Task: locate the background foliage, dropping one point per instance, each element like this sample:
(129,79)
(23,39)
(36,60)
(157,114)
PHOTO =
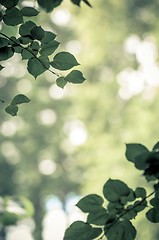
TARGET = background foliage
(82,129)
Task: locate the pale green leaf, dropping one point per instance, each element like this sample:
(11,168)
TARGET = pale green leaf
(61,82)
(29,11)
(64,61)
(12,110)
(75,76)
(19,99)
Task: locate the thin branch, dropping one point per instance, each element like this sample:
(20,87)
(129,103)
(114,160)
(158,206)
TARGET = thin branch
(126,211)
(4,35)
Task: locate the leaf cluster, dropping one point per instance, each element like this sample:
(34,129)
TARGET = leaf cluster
(35,45)
(113,220)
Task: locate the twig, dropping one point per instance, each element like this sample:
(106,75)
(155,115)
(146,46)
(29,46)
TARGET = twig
(30,52)
(126,211)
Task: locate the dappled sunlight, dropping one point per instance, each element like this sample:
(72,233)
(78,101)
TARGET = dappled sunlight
(10,151)
(24,85)
(47,117)
(47,167)
(133,82)
(8,128)
(18,232)
(76,131)
(57,93)
(61,17)
(73,46)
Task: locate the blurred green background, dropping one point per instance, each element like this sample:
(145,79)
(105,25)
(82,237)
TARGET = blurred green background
(68,142)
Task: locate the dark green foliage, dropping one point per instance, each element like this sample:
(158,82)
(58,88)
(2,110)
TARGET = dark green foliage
(64,61)
(98,217)
(3,42)
(144,159)
(37,66)
(1,67)
(122,230)
(77,2)
(12,109)
(49,5)
(19,99)
(6,53)
(49,48)
(153,215)
(9,3)
(115,189)
(140,192)
(61,82)
(134,150)
(35,45)
(124,203)
(25,28)
(75,77)
(82,231)
(90,203)
(13,17)
(29,11)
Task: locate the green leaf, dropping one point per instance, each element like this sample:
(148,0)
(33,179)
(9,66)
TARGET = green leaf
(5,53)
(98,217)
(129,198)
(1,16)
(123,230)
(77,2)
(156,147)
(12,110)
(3,42)
(130,214)
(61,82)
(48,37)
(26,54)
(75,76)
(86,2)
(1,67)
(140,206)
(49,48)
(49,5)
(25,28)
(155,202)
(113,190)
(115,208)
(153,215)
(90,203)
(19,99)
(133,150)
(31,51)
(13,17)
(9,3)
(37,32)
(64,61)
(140,192)
(25,40)
(36,66)
(29,11)
(81,231)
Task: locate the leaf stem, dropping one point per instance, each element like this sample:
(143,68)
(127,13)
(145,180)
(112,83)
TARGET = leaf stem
(4,35)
